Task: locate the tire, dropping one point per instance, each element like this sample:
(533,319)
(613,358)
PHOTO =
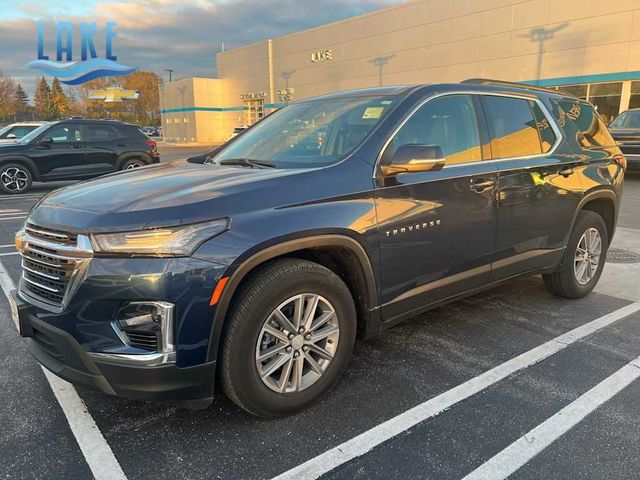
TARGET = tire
(269,288)
(15,178)
(132,163)
(564,282)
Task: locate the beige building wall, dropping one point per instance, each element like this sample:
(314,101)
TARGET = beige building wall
(551,41)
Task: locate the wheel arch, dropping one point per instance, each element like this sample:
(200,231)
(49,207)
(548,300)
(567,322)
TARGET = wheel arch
(340,253)
(605,204)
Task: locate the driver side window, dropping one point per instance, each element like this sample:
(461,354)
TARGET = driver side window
(449,122)
(64,133)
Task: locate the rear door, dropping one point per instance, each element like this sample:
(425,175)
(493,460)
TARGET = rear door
(436,229)
(538,188)
(101,147)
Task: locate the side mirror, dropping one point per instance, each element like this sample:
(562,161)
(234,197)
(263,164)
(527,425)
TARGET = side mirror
(12,136)
(45,142)
(415,158)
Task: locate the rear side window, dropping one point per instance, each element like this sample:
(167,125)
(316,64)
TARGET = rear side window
(101,133)
(580,121)
(513,130)
(548,137)
(449,122)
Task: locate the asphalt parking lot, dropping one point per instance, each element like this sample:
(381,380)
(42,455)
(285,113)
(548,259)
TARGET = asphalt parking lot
(512,381)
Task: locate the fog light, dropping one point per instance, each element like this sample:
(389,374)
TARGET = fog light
(147,325)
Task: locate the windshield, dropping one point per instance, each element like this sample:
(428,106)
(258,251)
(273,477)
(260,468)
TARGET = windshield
(33,134)
(627,120)
(309,134)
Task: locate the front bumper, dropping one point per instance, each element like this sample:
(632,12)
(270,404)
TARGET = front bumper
(61,353)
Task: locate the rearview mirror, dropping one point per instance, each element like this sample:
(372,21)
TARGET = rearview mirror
(415,158)
(12,136)
(45,142)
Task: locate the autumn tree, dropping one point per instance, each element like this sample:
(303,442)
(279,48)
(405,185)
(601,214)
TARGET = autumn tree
(21,100)
(7,96)
(45,108)
(59,100)
(146,109)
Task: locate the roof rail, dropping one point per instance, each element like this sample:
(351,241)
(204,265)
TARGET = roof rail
(504,83)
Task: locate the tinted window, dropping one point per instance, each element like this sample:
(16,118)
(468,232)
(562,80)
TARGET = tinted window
(65,133)
(580,120)
(449,122)
(627,120)
(100,133)
(547,136)
(512,127)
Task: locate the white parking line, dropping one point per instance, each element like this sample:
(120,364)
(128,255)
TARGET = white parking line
(7,245)
(535,441)
(96,450)
(8,253)
(12,218)
(363,443)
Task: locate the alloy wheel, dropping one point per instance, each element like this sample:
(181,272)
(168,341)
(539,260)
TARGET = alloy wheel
(133,165)
(14,179)
(297,342)
(588,256)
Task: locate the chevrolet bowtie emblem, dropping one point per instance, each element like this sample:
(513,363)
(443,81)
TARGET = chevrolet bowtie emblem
(114,95)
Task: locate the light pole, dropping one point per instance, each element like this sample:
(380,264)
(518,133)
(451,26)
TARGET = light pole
(540,36)
(170,72)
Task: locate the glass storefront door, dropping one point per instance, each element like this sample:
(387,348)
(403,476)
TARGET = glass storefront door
(606,97)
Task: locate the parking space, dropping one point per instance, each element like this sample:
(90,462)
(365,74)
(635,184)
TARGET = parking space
(436,397)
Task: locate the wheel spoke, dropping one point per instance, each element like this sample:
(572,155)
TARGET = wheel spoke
(274,365)
(324,333)
(276,333)
(324,318)
(298,367)
(282,319)
(580,271)
(298,311)
(312,363)
(310,312)
(321,352)
(271,351)
(284,376)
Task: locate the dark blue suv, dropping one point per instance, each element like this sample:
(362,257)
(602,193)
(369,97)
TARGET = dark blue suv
(333,218)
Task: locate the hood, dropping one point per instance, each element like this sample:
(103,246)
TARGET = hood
(158,195)
(625,134)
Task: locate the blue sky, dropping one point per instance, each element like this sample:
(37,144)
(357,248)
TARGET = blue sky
(157,34)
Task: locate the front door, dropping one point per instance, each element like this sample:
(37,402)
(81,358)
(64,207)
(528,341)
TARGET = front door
(64,155)
(436,229)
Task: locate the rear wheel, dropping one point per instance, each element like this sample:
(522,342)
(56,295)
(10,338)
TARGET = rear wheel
(133,163)
(583,259)
(289,338)
(15,178)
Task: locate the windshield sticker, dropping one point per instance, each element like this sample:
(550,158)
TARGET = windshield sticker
(372,112)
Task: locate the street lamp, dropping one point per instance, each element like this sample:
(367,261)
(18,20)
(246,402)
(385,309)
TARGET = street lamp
(170,72)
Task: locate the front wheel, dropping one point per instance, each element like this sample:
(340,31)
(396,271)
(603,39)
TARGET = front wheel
(583,259)
(289,338)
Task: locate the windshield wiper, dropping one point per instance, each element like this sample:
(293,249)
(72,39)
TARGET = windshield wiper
(245,162)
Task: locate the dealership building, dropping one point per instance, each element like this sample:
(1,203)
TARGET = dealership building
(590,48)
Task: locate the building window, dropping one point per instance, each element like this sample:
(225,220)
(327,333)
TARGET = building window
(579,91)
(606,97)
(634,100)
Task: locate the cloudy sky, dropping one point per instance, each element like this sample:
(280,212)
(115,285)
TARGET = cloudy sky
(157,34)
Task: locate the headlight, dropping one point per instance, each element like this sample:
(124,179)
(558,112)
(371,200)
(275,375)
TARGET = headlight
(159,242)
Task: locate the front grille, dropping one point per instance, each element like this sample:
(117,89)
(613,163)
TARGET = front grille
(50,259)
(142,339)
(630,149)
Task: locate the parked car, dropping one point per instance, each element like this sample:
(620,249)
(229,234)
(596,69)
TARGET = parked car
(255,274)
(151,131)
(237,131)
(625,128)
(16,131)
(73,149)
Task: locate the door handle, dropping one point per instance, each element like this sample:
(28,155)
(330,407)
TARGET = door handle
(566,172)
(481,185)
(76,146)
